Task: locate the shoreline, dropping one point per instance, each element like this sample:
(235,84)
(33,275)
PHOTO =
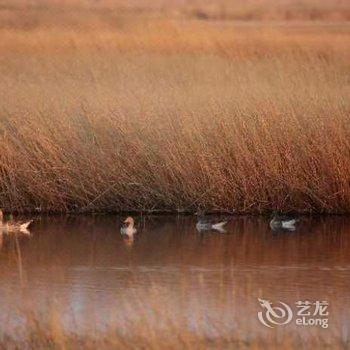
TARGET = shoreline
(164,212)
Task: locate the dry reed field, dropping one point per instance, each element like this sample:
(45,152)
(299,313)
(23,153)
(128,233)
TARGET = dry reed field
(159,330)
(111,13)
(104,113)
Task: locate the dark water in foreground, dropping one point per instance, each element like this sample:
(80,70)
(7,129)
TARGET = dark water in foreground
(81,273)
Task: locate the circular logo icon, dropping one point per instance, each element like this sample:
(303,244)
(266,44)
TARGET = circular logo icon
(274,315)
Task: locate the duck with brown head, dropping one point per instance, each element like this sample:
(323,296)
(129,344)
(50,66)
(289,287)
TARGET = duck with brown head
(13,226)
(128,228)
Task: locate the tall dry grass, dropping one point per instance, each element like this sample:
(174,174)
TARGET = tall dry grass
(172,115)
(107,13)
(158,329)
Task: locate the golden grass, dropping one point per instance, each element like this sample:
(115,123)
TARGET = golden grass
(173,114)
(114,13)
(50,336)
(155,324)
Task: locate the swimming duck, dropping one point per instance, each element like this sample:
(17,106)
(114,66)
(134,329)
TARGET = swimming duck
(128,228)
(13,226)
(208,223)
(282,222)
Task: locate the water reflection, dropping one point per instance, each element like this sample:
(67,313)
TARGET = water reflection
(207,282)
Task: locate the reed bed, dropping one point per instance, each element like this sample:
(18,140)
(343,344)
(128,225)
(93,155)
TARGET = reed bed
(106,13)
(172,115)
(51,336)
(156,323)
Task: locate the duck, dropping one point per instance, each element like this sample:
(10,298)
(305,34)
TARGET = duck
(128,228)
(208,223)
(14,226)
(282,222)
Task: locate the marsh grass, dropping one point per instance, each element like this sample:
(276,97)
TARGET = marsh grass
(172,115)
(107,13)
(155,323)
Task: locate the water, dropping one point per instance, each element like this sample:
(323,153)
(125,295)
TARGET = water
(82,273)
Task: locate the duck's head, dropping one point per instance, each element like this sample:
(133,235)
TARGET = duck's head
(129,221)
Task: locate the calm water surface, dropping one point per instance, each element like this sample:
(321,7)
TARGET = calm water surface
(81,269)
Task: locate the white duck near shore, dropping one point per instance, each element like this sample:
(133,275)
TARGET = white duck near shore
(128,228)
(12,226)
